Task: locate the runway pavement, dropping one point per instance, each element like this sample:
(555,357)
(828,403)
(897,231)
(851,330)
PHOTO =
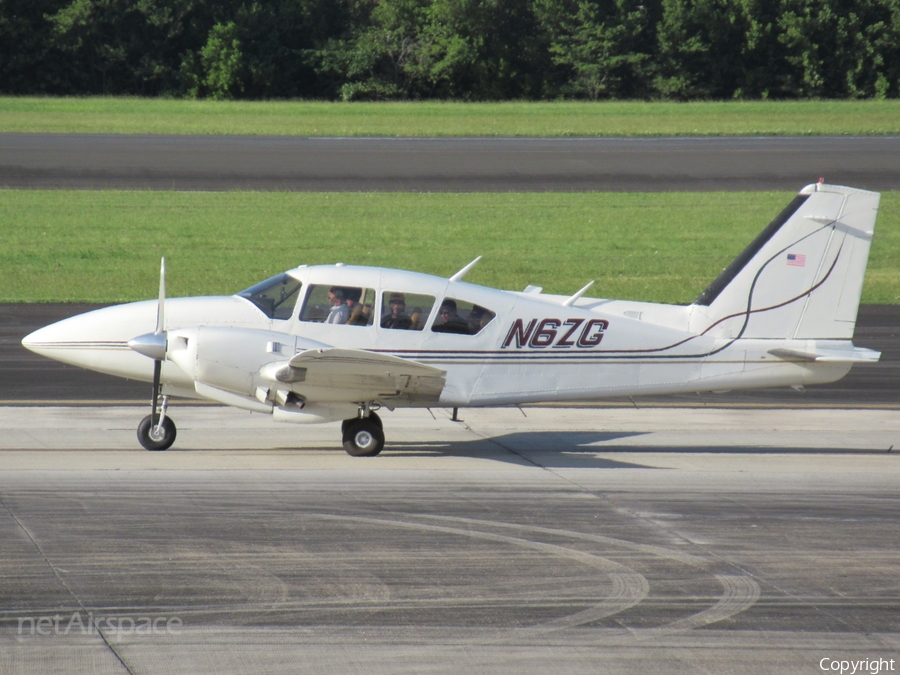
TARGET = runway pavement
(159,162)
(27,377)
(567,541)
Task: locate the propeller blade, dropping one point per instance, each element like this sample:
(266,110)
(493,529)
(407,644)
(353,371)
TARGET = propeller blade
(161,312)
(154,344)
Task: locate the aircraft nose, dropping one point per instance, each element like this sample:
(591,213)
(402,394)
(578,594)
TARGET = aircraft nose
(95,340)
(42,339)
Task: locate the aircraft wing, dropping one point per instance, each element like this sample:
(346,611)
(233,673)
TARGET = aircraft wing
(356,375)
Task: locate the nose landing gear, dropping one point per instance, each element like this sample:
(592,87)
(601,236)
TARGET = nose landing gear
(156,436)
(156,431)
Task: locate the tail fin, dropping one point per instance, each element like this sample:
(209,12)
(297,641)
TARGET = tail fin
(801,278)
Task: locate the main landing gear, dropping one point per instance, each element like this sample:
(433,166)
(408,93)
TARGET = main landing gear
(363,436)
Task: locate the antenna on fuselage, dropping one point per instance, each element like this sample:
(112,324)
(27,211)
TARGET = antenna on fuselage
(571,301)
(459,275)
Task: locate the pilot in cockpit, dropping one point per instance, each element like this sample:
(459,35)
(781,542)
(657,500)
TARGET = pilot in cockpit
(339,311)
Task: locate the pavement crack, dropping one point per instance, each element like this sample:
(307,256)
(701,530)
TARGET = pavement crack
(56,573)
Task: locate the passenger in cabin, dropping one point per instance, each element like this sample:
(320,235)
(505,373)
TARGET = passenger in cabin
(351,299)
(339,311)
(479,317)
(449,321)
(397,317)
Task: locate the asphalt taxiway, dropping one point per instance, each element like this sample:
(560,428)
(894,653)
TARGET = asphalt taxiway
(184,162)
(549,540)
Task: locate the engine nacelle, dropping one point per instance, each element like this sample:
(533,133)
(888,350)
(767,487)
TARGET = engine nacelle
(230,358)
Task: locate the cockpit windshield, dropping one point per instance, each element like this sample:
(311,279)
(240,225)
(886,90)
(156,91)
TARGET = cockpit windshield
(276,297)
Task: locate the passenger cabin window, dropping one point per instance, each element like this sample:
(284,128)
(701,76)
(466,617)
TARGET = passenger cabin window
(348,305)
(276,297)
(405,311)
(461,317)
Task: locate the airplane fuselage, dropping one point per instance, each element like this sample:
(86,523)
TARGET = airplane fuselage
(534,349)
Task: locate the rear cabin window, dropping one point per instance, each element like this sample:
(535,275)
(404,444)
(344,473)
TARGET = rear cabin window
(347,305)
(276,297)
(405,311)
(461,317)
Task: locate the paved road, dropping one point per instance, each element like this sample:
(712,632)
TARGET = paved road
(670,542)
(25,376)
(159,162)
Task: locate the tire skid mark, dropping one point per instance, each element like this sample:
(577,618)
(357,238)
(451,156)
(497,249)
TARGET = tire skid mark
(629,587)
(582,557)
(657,551)
(740,593)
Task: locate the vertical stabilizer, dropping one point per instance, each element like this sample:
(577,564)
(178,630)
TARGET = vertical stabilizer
(802,277)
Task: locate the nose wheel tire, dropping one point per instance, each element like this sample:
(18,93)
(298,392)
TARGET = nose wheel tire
(156,439)
(363,437)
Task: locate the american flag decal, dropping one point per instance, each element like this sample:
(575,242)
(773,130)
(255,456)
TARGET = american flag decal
(796,259)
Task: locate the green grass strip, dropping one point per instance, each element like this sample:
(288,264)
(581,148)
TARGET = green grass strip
(296,118)
(104,246)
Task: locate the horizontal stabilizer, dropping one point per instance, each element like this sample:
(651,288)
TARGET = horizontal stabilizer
(855,355)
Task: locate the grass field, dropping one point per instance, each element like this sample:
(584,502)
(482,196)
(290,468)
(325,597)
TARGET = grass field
(105,246)
(294,118)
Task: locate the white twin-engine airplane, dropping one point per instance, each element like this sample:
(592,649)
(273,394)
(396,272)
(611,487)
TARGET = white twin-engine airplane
(338,342)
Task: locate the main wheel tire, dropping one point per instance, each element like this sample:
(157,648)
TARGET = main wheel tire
(363,438)
(372,416)
(146,439)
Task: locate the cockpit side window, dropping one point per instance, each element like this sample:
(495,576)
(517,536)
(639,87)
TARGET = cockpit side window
(348,305)
(276,297)
(405,311)
(461,317)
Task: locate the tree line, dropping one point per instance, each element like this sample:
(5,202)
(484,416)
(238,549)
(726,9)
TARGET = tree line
(452,49)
